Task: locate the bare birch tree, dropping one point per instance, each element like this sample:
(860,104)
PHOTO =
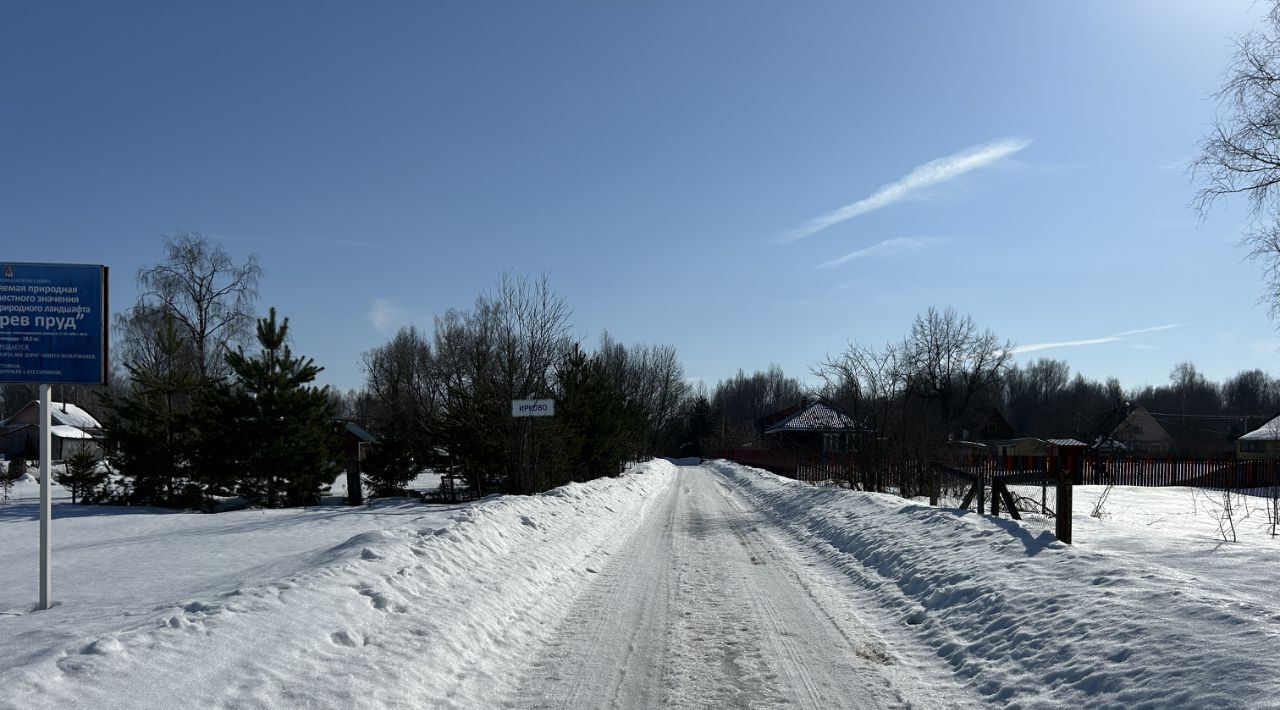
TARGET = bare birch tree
(1241,154)
(207,295)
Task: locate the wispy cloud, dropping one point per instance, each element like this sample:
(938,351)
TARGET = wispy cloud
(1035,347)
(886,248)
(386,315)
(927,175)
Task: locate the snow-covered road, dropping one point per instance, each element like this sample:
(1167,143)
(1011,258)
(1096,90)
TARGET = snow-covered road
(707,607)
(714,586)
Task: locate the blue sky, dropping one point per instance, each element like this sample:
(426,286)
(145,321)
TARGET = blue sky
(751,182)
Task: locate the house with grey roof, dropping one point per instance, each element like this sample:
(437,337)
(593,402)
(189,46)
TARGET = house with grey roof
(72,428)
(818,426)
(1261,443)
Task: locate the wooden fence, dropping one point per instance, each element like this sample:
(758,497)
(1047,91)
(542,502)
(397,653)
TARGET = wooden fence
(1139,471)
(810,468)
(1087,469)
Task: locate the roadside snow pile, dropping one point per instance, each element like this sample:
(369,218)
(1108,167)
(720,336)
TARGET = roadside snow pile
(1030,622)
(401,617)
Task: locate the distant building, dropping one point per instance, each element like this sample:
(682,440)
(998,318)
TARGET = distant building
(985,424)
(815,427)
(1035,446)
(1261,443)
(978,434)
(1141,435)
(72,429)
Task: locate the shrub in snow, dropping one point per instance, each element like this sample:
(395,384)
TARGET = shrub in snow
(83,476)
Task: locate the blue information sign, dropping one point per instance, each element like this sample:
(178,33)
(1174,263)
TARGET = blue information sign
(53,323)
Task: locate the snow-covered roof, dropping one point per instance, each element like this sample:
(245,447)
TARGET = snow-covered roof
(62,413)
(1109,445)
(360,433)
(1267,432)
(62,431)
(71,415)
(1065,442)
(815,417)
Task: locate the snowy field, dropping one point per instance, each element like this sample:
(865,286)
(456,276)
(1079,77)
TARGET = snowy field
(709,587)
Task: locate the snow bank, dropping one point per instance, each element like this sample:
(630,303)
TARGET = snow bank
(400,617)
(1030,622)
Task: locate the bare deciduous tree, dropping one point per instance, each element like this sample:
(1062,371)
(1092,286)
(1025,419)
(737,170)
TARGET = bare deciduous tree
(1241,155)
(208,296)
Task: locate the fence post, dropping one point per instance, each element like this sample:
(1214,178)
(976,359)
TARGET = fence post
(1063,516)
(933,486)
(982,491)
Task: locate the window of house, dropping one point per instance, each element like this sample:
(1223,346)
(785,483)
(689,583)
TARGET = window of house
(831,442)
(1253,447)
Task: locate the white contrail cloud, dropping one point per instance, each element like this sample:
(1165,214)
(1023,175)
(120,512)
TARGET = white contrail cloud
(1148,330)
(1092,341)
(927,175)
(885,248)
(1063,344)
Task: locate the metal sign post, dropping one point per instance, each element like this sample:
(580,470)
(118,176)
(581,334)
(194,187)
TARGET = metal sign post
(531,408)
(53,330)
(46,497)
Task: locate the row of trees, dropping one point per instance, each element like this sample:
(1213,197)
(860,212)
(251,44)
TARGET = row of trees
(212,402)
(444,399)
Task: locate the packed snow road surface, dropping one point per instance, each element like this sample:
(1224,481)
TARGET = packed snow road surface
(705,608)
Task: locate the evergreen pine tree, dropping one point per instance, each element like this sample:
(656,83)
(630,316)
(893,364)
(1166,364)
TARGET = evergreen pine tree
(285,426)
(598,428)
(149,429)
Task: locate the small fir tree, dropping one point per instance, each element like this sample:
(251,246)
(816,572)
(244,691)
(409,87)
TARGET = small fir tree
(83,477)
(285,426)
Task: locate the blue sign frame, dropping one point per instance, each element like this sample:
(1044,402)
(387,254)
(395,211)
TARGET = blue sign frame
(53,323)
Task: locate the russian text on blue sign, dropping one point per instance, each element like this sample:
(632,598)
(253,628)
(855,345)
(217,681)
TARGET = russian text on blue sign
(53,323)
(533,407)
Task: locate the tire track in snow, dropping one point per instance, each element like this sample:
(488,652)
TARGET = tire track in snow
(703,610)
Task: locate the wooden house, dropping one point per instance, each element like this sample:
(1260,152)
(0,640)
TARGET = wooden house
(1141,434)
(1261,443)
(816,427)
(72,429)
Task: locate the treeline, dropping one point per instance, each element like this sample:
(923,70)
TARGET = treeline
(913,397)
(1202,416)
(941,382)
(209,402)
(443,399)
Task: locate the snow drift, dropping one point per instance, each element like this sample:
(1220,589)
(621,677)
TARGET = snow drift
(1031,622)
(401,617)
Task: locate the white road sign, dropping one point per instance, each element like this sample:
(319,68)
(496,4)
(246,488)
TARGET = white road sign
(533,407)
